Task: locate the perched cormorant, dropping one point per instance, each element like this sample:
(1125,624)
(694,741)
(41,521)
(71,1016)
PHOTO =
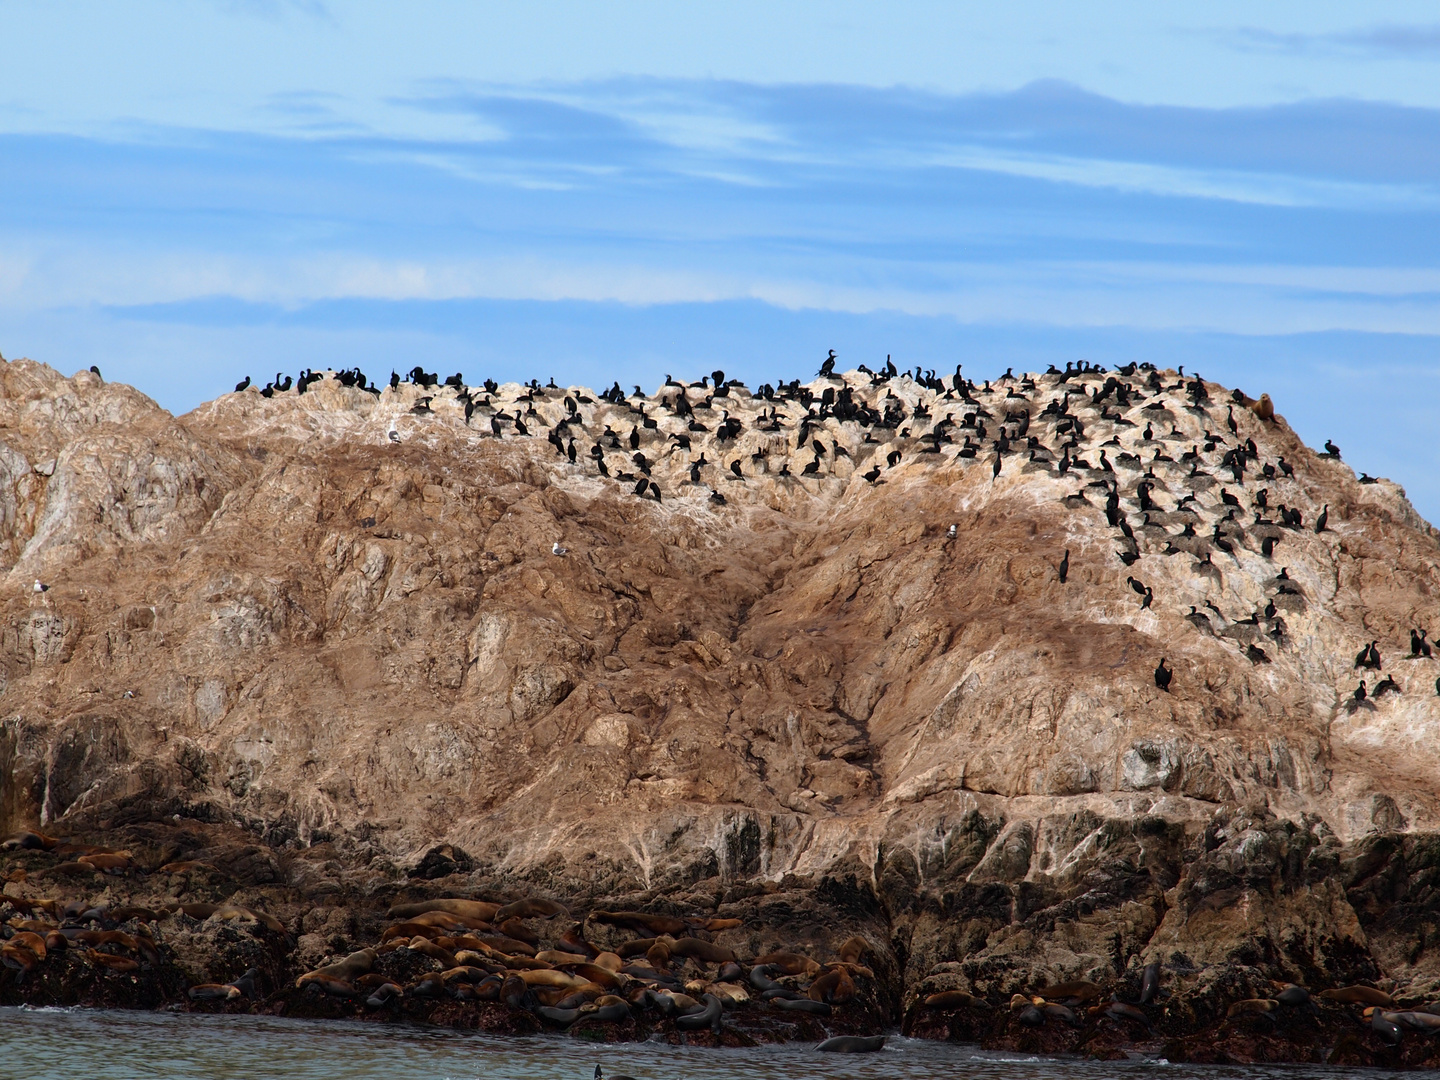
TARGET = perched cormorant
(1064,565)
(1323,519)
(1163,675)
(243,384)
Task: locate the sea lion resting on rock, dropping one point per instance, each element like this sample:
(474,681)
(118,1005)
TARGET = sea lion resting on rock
(1358,995)
(482,910)
(349,969)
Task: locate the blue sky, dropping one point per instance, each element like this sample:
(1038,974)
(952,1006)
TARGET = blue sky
(199,191)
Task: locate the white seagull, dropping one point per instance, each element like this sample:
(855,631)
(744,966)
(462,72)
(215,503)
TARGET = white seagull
(556,549)
(394,435)
(40,586)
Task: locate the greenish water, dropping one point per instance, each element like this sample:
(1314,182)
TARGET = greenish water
(62,1044)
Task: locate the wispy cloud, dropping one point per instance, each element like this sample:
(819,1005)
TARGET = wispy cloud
(1414,40)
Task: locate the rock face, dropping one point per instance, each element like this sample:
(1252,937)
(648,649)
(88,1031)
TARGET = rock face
(334,620)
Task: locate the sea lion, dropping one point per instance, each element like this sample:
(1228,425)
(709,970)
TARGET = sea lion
(852,949)
(353,966)
(609,1009)
(835,987)
(29,907)
(573,941)
(550,977)
(1358,995)
(109,863)
(28,939)
(658,956)
(1388,1030)
(789,963)
(507,946)
(805,1005)
(1264,408)
(635,947)
(18,958)
(212,992)
(514,928)
(185,866)
(1078,990)
(699,949)
(425,947)
(709,1016)
(556,958)
(760,979)
(1429,1023)
(1122,1010)
(102,937)
(852,1044)
(383,995)
(1253,1006)
(597,974)
(431,985)
(955,999)
(409,930)
(30,840)
(1149,983)
(482,910)
(529,909)
(609,961)
(131,911)
(111,962)
(716,925)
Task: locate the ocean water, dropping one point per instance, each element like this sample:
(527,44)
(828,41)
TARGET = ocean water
(62,1044)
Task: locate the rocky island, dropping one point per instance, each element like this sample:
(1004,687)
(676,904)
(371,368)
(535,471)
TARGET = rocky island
(1026,712)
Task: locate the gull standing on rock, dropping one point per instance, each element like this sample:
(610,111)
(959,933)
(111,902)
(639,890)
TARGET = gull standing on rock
(556,549)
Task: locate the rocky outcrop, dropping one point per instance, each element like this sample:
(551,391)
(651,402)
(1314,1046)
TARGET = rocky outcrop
(829,653)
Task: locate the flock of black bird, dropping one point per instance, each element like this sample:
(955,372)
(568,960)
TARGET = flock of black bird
(1204,492)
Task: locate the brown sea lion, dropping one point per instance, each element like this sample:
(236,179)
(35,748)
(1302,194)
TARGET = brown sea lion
(514,928)
(635,947)
(108,862)
(1265,408)
(609,961)
(532,908)
(550,977)
(212,992)
(853,949)
(30,907)
(185,866)
(788,962)
(574,940)
(658,956)
(104,937)
(352,967)
(33,841)
(699,949)
(35,926)
(110,962)
(482,910)
(1076,990)
(598,975)
(425,947)
(716,925)
(835,987)
(329,984)
(409,930)
(132,911)
(556,958)
(17,957)
(1358,995)
(30,940)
